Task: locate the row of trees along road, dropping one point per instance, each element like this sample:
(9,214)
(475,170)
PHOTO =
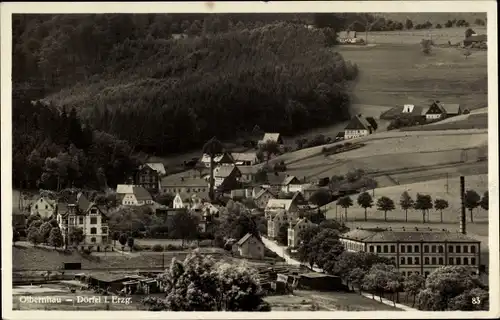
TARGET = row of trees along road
(446,288)
(422,202)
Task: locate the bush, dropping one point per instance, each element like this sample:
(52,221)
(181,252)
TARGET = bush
(137,247)
(173,247)
(157,248)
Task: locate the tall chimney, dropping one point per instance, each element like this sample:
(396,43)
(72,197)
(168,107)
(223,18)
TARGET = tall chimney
(462,212)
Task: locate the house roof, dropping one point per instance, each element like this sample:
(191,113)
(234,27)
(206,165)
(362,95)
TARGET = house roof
(157,166)
(224,171)
(206,158)
(271,137)
(181,180)
(406,236)
(289,179)
(451,108)
(262,192)
(476,38)
(124,188)
(248,169)
(245,239)
(49,201)
(246,156)
(273,204)
(358,123)
(141,193)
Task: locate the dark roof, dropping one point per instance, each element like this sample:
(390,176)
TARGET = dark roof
(141,193)
(406,236)
(451,108)
(476,38)
(358,123)
(182,180)
(224,171)
(245,239)
(289,179)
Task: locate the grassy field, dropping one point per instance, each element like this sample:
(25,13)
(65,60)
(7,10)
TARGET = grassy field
(433,17)
(439,36)
(470,121)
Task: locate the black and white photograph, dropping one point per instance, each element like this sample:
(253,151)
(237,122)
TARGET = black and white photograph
(275,160)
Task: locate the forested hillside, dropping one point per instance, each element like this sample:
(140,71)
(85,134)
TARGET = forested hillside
(165,83)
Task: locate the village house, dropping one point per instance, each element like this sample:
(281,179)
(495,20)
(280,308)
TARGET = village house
(133,195)
(149,174)
(272,137)
(79,212)
(44,206)
(250,246)
(220,159)
(186,201)
(294,229)
(245,159)
(358,127)
(180,183)
(276,221)
(416,251)
(277,205)
(291,184)
(348,37)
(438,110)
(248,173)
(227,177)
(262,198)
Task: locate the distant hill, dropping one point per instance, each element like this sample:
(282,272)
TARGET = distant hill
(433,17)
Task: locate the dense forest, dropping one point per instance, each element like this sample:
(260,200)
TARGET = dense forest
(164,83)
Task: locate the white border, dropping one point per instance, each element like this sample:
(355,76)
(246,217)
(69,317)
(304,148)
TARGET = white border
(300,6)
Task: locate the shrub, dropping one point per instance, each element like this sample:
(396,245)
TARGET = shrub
(137,247)
(172,247)
(157,248)
(146,247)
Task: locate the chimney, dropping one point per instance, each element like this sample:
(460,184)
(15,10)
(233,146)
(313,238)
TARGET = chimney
(462,212)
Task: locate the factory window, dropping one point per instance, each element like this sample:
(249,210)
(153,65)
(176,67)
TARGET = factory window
(450,249)
(410,249)
(410,260)
(458,249)
(403,249)
(433,260)
(466,261)
(433,249)
(440,249)
(473,261)
(441,261)
(379,249)
(466,249)
(450,261)
(402,260)
(458,260)
(93,240)
(417,260)
(426,248)
(416,248)
(386,248)
(426,260)
(393,248)
(472,249)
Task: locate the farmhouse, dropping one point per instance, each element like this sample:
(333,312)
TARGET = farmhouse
(44,206)
(227,177)
(418,251)
(296,226)
(358,127)
(262,198)
(174,184)
(247,193)
(250,246)
(271,137)
(475,39)
(346,37)
(79,212)
(245,159)
(438,110)
(220,159)
(275,206)
(148,176)
(247,173)
(135,196)
(291,184)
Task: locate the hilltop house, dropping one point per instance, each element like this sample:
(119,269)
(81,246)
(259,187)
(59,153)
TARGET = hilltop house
(220,159)
(294,229)
(273,137)
(180,183)
(416,251)
(262,198)
(134,196)
(358,127)
(250,246)
(43,206)
(438,110)
(245,159)
(79,212)
(475,39)
(348,37)
(291,184)
(227,177)
(148,176)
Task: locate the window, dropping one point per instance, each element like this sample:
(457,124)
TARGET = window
(71,221)
(450,261)
(441,261)
(473,261)
(379,249)
(459,261)
(426,260)
(403,273)
(472,249)
(393,248)
(417,260)
(93,230)
(433,249)
(410,249)
(93,240)
(466,249)
(410,260)
(93,220)
(466,261)
(36,206)
(93,211)
(386,248)
(46,207)
(458,249)
(104,230)
(80,220)
(433,260)
(426,248)
(450,249)
(417,248)
(402,260)
(403,249)
(440,249)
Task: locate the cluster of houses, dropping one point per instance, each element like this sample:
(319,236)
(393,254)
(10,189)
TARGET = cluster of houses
(437,110)
(348,37)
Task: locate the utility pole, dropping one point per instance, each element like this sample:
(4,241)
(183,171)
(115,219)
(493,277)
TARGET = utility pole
(447,182)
